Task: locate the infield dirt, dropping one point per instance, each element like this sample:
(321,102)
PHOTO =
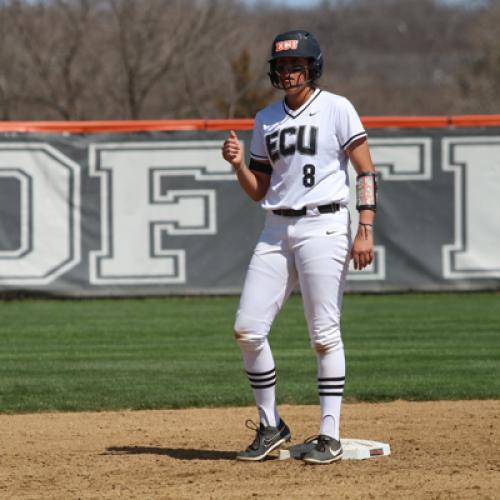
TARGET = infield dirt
(439,450)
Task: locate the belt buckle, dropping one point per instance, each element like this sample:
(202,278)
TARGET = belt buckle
(312,211)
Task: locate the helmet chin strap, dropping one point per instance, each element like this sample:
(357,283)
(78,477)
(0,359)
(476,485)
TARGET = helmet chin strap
(298,85)
(277,80)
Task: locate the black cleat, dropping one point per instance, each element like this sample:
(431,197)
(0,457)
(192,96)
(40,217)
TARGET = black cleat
(326,450)
(266,440)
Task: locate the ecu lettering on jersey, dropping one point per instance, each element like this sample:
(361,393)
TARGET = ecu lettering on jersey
(289,140)
(305,150)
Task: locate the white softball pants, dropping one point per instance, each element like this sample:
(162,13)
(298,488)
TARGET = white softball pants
(312,251)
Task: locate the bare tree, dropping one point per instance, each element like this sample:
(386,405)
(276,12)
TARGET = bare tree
(479,73)
(50,67)
(248,97)
(225,71)
(116,59)
(148,43)
(5,78)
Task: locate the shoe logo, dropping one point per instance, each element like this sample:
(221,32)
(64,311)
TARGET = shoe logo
(331,231)
(268,441)
(312,113)
(335,453)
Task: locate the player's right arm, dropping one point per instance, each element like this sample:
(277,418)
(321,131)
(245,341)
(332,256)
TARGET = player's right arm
(254,183)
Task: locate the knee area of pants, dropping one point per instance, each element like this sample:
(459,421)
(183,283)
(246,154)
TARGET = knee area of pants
(325,346)
(247,341)
(247,334)
(247,326)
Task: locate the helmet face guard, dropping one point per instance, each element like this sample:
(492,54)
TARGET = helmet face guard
(276,76)
(297,43)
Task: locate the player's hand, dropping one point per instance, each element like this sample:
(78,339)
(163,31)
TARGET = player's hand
(232,151)
(362,248)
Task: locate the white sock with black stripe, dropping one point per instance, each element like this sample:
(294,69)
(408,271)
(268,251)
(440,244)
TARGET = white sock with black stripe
(261,372)
(331,379)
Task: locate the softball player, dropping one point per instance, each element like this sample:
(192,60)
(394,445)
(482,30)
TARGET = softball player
(298,171)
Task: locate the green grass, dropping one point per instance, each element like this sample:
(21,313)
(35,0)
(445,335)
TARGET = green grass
(178,352)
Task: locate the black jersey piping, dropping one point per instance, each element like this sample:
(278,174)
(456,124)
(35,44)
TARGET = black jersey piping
(308,104)
(352,138)
(253,155)
(258,166)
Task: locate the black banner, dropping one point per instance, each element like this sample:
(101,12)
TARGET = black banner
(162,213)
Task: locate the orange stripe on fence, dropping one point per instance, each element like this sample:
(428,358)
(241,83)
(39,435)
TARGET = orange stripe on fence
(238,124)
(475,121)
(103,126)
(241,124)
(406,121)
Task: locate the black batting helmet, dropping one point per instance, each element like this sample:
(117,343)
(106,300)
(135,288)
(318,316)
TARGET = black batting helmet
(296,43)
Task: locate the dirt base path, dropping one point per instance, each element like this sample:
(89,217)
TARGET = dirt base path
(439,450)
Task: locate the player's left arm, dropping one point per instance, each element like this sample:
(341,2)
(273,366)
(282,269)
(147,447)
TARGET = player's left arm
(362,248)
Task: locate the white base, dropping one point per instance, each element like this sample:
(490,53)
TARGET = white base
(354,449)
(360,449)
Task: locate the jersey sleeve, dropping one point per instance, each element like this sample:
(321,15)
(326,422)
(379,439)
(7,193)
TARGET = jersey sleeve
(258,150)
(348,124)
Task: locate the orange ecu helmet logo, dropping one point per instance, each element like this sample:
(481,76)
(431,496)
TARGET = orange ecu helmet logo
(286,45)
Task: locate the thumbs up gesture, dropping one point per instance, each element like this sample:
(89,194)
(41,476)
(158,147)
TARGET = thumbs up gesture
(232,150)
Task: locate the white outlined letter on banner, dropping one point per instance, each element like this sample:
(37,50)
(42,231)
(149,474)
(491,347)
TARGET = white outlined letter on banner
(49,208)
(135,213)
(396,159)
(475,163)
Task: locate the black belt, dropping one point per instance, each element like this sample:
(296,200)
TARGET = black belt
(322,209)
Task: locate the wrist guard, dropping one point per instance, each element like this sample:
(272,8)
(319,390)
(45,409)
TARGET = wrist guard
(366,191)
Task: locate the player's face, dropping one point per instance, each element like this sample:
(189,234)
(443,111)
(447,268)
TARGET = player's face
(293,72)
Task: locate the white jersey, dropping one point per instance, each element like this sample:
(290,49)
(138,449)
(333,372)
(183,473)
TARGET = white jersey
(306,149)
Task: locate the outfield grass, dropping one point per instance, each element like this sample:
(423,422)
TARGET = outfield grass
(178,352)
